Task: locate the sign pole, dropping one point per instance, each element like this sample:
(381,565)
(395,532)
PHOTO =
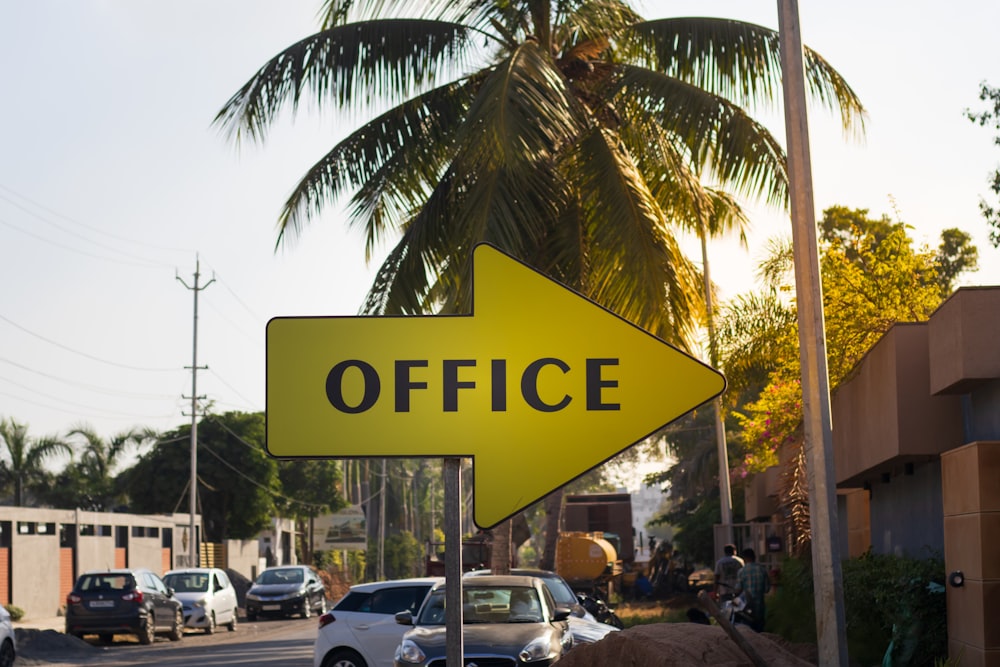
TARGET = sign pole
(453,560)
(817,424)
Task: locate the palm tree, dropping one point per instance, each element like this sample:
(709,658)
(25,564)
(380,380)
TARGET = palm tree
(25,456)
(100,457)
(572,134)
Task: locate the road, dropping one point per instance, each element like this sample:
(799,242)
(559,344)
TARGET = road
(269,643)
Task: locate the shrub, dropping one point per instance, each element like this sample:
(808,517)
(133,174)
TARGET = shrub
(887,600)
(16,613)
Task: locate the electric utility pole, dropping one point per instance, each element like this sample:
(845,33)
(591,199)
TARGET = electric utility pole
(193,487)
(831,627)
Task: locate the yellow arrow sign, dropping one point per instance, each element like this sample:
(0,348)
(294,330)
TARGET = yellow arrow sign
(538,385)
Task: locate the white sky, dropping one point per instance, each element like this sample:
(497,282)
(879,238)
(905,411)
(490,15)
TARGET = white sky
(112,181)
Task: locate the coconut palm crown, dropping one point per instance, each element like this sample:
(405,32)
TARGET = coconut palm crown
(573,134)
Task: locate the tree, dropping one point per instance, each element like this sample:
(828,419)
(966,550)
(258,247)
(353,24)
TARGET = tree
(24,457)
(873,277)
(238,481)
(95,486)
(574,135)
(991,116)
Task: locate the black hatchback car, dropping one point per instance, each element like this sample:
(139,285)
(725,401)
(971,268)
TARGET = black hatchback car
(127,601)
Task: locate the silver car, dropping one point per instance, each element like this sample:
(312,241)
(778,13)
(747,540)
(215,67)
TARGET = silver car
(208,597)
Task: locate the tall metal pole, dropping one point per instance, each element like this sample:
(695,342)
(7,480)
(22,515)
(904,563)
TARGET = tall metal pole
(725,492)
(193,490)
(454,642)
(381,527)
(818,430)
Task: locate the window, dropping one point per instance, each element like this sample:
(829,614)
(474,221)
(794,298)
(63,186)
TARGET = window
(353,601)
(394,600)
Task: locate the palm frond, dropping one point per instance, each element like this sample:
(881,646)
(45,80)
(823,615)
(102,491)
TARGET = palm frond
(740,152)
(355,65)
(391,162)
(734,59)
(659,291)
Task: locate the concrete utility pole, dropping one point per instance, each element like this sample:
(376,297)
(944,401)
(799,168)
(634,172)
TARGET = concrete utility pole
(817,424)
(193,503)
(725,490)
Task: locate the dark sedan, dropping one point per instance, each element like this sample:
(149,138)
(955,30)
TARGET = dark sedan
(507,620)
(132,601)
(286,590)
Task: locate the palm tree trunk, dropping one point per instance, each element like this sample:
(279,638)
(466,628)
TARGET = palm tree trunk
(500,552)
(553,524)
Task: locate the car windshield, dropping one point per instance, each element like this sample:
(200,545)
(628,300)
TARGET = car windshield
(561,592)
(187,582)
(281,576)
(107,581)
(492,604)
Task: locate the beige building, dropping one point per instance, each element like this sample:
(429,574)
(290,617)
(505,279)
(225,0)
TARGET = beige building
(43,551)
(916,435)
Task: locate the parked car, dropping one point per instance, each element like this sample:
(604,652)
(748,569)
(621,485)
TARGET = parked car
(361,629)
(505,620)
(8,641)
(133,601)
(584,628)
(208,597)
(286,590)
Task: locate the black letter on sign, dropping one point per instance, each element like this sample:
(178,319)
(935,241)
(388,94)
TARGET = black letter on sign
(499,373)
(335,385)
(529,385)
(404,384)
(451,383)
(595,384)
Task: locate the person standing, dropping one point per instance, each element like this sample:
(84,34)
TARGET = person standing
(727,570)
(754,584)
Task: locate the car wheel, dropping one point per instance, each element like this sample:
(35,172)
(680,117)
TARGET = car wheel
(147,633)
(251,616)
(307,608)
(7,654)
(322,606)
(232,623)
(177,629)
(106,638)
(345,657)
(210,628)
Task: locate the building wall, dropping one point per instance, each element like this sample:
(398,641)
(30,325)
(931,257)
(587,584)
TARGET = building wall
(41,538)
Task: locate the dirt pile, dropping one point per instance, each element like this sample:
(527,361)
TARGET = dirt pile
(681,645)
(49,646)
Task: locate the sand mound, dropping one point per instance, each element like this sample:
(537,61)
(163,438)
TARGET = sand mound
(680,645)
(46,645)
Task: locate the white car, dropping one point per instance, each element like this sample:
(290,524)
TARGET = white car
(361,629)
(8,643)
(208,597)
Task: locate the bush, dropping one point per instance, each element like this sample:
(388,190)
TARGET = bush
(16,613)
(887,599)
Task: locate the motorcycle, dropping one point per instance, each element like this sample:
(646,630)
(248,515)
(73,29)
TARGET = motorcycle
(600,610)
(734,609)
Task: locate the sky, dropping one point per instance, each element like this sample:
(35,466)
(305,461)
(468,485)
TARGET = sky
(115,186)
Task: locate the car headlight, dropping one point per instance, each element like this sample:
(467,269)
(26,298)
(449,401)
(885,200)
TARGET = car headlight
(253,596)
(408,651)
(536,649)
(200,602)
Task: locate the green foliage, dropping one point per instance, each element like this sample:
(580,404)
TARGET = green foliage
(16,613)
(886,599)
(990,117)
(238,479)
(404,556)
